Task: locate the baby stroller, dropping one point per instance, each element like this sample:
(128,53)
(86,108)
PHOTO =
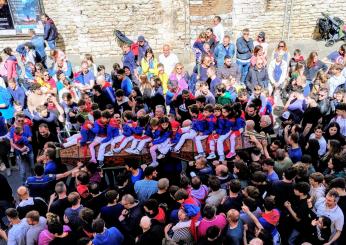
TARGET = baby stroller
(331,29)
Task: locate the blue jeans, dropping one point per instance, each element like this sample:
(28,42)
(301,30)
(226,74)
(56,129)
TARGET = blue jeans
(52,44)
(244,69)
(26,165)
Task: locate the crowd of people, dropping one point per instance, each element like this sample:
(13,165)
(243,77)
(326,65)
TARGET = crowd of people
(285,185)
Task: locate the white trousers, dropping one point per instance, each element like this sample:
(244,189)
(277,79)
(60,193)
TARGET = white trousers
(103,146)
(165,146)
(188,134)
(198,142)
(125,141)
(220,140)
(72,140)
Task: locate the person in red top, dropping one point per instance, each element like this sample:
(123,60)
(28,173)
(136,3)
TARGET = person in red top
(153,211)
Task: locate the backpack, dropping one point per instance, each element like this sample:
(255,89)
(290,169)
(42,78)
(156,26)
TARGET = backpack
(135,49)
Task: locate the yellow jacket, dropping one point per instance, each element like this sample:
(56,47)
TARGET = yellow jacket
(164,80)
(146,70)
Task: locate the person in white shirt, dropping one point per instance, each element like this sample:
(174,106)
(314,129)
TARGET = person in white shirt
(337,78)
(261,40)
(329,208)
(218,30)
(168,59)
(277,73)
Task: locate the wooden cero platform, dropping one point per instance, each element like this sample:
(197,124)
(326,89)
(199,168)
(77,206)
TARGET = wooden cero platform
(73,154)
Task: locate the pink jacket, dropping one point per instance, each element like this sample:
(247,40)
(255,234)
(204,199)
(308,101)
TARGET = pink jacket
(10,67)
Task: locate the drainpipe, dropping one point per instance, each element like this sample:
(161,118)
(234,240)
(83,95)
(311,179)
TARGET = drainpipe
(289,21)
(284,22)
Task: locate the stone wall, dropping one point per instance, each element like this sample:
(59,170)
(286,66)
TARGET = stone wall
(203,11)
(86,26)
(269,15)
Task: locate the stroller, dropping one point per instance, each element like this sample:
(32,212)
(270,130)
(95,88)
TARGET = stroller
(331,29)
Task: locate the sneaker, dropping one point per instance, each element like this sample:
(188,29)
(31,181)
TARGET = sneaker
(221,158)
(199,156)
(8,172)
(101,163)
(230,154)
(161,156)
(109,154)
(117,150)
(154,164)
(211,156)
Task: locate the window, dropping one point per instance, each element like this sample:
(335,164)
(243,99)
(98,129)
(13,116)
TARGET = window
(18,16)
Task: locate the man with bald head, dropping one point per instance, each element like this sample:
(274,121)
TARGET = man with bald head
(221,172)
(235,229)
(168,59)
(152,232)
(28,203)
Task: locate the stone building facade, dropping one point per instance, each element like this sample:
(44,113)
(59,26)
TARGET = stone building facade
(86,26)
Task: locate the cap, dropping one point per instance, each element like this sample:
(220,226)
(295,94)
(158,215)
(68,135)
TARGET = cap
(141,38)
(262,34)
(175,124)
(285,116)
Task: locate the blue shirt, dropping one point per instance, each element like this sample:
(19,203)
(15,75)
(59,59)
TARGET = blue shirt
(126,85)
(18,95)
(41,186)
(272,177)
(295,154)
(85,78)
(111,236)
(145,188)
(50,168)
(235,236)
(139,176)
(38,43)
(26,131)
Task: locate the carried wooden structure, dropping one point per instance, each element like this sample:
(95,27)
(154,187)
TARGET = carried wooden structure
(73,154)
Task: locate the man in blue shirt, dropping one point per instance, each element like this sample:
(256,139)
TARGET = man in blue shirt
(295,152)
(268,166)
(50,166)
(39,45)
(126,83)
(85,81)
(146,187)
(17,92)
(42,185)
(104,236)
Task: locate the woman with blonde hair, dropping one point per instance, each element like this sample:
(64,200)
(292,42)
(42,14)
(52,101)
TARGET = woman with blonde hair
(179,75)
(282,50)
(145,86)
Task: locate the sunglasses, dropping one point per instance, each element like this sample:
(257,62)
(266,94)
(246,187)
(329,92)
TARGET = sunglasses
(281,46)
